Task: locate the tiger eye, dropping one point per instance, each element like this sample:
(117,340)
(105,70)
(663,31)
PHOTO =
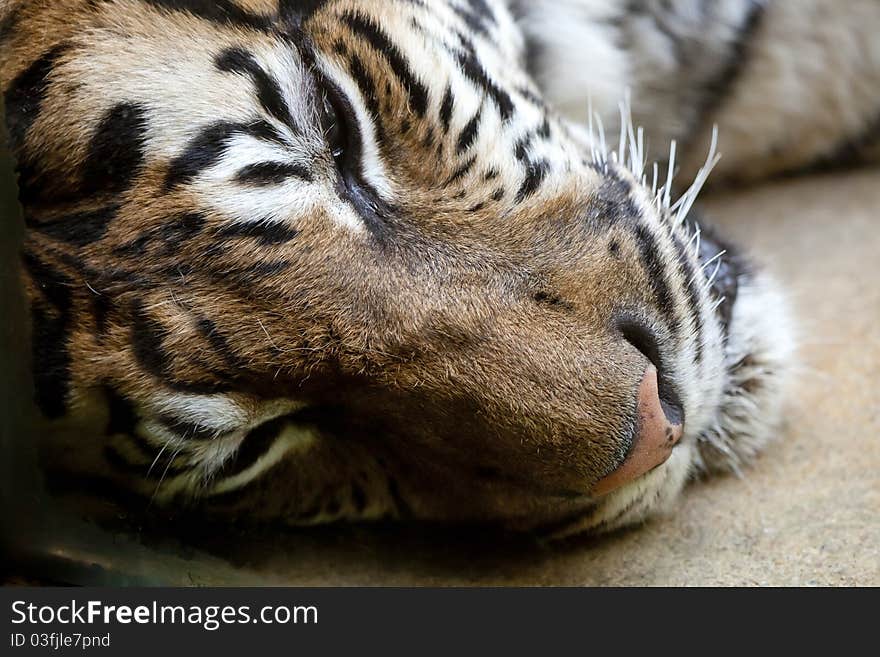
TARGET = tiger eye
(333,130)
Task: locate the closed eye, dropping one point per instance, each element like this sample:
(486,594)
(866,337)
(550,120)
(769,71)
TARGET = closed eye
(335,131)
(340,128)
(344,139)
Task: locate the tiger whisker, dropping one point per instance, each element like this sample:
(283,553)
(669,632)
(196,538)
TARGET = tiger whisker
(158,456)
(718,303)
(709,262)
(696,237)
(165,472)
(711,280)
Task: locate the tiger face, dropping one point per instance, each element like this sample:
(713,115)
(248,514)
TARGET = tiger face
(307,261)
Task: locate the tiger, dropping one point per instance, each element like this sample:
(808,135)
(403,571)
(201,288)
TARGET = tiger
(302,262)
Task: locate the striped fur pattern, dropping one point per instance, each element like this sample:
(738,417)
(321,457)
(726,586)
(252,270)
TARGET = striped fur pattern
(304,261)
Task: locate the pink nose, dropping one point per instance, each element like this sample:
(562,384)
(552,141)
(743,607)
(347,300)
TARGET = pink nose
(652,445)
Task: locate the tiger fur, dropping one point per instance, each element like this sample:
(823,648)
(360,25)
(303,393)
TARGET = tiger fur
(305,261)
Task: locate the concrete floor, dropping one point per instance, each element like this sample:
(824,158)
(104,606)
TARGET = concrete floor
(807,513)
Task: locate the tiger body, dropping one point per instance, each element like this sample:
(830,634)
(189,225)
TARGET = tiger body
(320,260)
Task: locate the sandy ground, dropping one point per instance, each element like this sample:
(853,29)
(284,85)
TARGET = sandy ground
(808,512)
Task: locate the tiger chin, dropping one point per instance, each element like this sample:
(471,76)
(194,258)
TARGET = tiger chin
(344,262)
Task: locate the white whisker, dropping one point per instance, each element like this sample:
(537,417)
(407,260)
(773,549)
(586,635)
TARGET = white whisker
(669,175)
(702,175)
(603,146)
(711,280)
(695,238)
(158,456)
(165,472)
(709,262)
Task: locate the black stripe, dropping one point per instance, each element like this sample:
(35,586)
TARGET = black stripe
(482,9)
(267,233)
(297,11)
(462,171)
(217,11)
(201,153)
(418,93)
(149,351)
(469,133)
(531,97)
(209,145)
(265,131)
(147,449)
(259,272)
(475,72)
(101,307)
(521,148)
(367,86)
(174,233)
(536,172)
(54,285)
(146,341)
(656,272)
(78,229)
(180,228)
(477,15)
(220,344)
(721,86)
(50,356)
(254,445)
(116,150)
(264,174)
(446,109)
(240,61)
(687,270)
(136,247)
(544,129)
(25,94)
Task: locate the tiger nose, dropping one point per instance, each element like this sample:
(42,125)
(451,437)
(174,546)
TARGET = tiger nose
(659,430)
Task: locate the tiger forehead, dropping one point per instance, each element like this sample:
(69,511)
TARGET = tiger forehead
(442,84)
(441,81)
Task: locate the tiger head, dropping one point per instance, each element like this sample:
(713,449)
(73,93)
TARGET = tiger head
(319,260)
